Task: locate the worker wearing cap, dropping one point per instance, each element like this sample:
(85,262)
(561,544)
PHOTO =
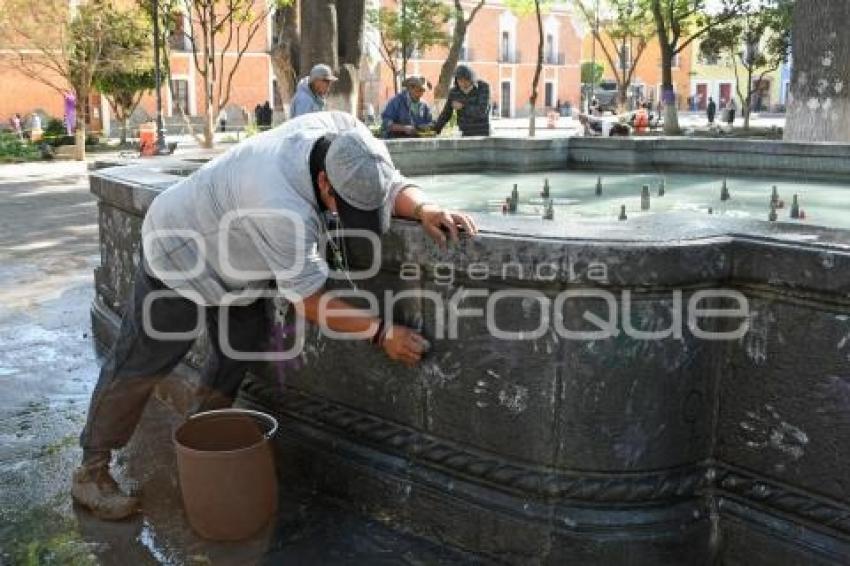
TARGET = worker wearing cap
(406,113)
(251,218)
(311,94)
(470,98)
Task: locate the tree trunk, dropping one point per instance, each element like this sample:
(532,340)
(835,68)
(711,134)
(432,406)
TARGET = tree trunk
(284,53)
(441,92)
(532,101)
(621,95)
(80,131)
(124,122)
(747,106)
(447,71)
(819,101)
(671,111)
(346,91)
(319,38)
(668,94)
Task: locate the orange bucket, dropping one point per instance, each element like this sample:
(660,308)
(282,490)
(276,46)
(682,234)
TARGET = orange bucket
(147,138)
(227,472)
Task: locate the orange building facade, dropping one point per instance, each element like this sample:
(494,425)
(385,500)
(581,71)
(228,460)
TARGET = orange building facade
(252,84)
(646,81)
(501,48)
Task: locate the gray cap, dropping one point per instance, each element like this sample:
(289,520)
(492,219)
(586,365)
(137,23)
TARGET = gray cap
(417,81)
(323,72)
(361,171)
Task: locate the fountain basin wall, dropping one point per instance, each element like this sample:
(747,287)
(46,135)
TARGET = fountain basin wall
(606,451)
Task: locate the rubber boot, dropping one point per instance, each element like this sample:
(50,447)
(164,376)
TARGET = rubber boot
(94,488)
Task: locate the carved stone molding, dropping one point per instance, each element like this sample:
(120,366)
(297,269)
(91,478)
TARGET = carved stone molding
(538,482)
(762,492)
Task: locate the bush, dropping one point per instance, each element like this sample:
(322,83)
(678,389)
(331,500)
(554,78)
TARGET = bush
(55,133)
(13,149)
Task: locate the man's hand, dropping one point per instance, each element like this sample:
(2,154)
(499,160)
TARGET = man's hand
(436,222)
(457,105)
(404,345)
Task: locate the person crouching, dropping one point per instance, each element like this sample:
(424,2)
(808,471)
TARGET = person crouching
(406,114)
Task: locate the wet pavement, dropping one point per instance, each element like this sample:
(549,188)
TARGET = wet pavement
(48,367)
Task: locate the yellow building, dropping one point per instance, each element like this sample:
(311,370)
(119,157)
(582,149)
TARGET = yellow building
(716,78)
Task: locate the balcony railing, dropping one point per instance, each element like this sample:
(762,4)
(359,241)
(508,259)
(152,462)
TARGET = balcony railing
(554,59)
(513,56)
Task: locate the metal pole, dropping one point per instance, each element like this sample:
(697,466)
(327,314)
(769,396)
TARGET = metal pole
(593,58)
(160,130)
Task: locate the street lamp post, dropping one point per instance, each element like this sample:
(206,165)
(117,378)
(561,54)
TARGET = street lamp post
(593,58)
(160,130)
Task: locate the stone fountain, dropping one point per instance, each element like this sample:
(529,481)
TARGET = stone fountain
(633,441)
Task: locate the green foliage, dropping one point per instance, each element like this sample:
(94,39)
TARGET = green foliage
(13,149)
(55,128)
(123,88)
(251,129)
(757,38)
(682,21)
(592,73)
(526,7)
(56,134)
(416,24)
(105,39)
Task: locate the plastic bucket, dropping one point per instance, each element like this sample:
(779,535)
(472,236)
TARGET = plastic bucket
(147,138)
(227,472)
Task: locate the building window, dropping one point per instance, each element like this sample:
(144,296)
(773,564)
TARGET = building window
(506,47)
(549,97)
(180,96)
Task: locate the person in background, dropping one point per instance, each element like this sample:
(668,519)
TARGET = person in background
(268,115)
(258,115)
(17,126)
(640,119)
(598,127)
(222,120)
(730,112)
(711,110)
(470,98)
(406,113)
(311,94)
(35,127)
